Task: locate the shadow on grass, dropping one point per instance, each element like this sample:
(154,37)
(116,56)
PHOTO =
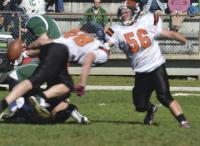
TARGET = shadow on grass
(92,122)
(123,122)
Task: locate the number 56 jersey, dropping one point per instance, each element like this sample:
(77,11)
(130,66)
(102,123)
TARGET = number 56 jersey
(80,44)
(138,42)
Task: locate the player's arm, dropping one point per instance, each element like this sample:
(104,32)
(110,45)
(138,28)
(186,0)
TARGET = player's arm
(96,57)
(173,35)
(86,68)
(31,53)
(42,40)
(80,88)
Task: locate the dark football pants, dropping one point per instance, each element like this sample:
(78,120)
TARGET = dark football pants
(146,83)
(52,68)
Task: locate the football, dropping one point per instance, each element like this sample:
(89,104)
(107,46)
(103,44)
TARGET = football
(15,48)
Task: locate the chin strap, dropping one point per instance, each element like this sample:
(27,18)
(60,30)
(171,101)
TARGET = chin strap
(128,22)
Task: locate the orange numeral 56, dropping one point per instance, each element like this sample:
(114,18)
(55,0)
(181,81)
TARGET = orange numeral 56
(145,41)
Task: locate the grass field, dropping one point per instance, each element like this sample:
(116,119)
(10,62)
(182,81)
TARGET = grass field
(3,45)
(113,123)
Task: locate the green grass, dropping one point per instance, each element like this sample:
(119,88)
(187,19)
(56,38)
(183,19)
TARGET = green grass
(113,123)
(3,45)
(129,81)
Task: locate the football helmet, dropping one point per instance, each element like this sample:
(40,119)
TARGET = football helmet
(128,5)
(33,6)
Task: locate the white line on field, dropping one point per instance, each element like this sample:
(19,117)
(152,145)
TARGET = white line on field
(130,88)
(94,87)
(185,94)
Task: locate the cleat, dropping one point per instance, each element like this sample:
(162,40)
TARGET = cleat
(77,115)
(41,111)
(185,124)
(84,120)
(7,114)
(2,111)
(148,120)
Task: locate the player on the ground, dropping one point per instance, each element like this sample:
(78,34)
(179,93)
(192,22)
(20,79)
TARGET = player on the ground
(137,39)
(21,111)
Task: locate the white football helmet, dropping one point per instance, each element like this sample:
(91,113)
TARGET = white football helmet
(128,5)
(33,6)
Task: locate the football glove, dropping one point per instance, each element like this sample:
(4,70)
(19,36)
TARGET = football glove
(80,90)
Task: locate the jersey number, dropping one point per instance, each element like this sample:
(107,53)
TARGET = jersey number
(79,39)
(145,41)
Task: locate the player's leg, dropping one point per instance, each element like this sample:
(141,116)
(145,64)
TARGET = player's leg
(18,89)
(60,86)
(60,110)
(141,96)
(53,59)
(164,96)
(12,109)
(64,110)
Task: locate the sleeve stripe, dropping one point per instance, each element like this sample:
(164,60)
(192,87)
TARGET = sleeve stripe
(110,32)
(156,18)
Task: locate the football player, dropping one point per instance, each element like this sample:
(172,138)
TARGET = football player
(53,59)
(32,7)
(85,50)
(21,110)
(135,35)
(26,8)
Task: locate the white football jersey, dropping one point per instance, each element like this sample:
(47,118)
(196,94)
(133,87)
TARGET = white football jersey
(80,44)
(31,7)
(138,42)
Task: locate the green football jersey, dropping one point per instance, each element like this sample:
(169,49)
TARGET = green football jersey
(23,72)
(40,24)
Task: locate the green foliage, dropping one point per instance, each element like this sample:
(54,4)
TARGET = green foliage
(114,122)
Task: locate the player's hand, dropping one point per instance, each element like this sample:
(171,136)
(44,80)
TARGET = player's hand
(24,54)
(79,89)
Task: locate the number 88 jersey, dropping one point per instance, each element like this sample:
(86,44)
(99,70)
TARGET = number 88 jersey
(80,44)
(138,42)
